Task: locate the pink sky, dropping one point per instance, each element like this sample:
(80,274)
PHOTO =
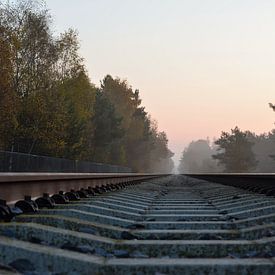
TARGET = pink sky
(201,66)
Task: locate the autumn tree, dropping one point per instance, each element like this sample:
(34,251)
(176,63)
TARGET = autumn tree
(32,58)
(235,151)
(48,77)
(8,100)
(77,96)
(50,107)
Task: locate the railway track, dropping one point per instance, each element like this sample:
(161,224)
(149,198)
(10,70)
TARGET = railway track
(150,224)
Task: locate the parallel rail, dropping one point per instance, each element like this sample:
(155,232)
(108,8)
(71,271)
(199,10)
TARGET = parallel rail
(149,224)
(14,186)
(263,183)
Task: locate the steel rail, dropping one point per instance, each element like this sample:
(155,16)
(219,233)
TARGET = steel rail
(169,225)
(263,183)
(14,186)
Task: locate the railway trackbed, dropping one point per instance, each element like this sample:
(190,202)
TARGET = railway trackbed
(162,225)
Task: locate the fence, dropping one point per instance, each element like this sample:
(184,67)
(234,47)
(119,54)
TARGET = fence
(20,162)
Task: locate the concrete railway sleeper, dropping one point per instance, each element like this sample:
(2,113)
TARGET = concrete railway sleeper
(162,225)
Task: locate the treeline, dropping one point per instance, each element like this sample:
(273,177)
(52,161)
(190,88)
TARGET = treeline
(236,151)
(48,105)
(197,158)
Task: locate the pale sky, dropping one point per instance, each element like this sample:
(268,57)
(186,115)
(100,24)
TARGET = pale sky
(202,66)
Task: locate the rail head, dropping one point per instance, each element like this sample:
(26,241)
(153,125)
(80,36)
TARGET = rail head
(14,186)
(244,176)
(257,182)
(23,177)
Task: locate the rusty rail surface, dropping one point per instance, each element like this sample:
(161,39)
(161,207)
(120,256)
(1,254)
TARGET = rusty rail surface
(14,186)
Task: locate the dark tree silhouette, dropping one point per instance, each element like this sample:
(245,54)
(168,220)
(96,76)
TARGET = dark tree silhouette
(235,151)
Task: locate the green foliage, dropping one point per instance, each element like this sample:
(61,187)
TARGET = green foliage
(106,145)
(54,94)
(49,106)
(161,156)
(264,150)
(8,102)
(144,148)
(235,151)
(78,99)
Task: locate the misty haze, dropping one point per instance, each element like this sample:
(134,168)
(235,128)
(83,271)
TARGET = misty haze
(137,137)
